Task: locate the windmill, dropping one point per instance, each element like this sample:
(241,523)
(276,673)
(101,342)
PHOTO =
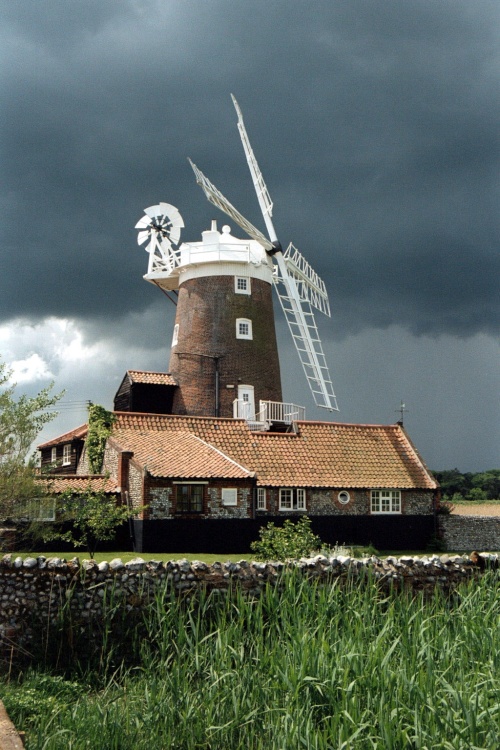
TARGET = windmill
(298,286)
(224,353)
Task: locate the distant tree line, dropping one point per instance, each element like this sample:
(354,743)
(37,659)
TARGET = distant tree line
(479,487)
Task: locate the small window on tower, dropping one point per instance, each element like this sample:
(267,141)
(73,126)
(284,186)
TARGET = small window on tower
(175,337)
(243,328)
(242,285)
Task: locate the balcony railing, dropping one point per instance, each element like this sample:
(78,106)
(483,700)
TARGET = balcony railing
(269,411)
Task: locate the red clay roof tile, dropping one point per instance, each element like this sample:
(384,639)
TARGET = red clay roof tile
(79,433)
(80,483)
(320,454)
(156,378)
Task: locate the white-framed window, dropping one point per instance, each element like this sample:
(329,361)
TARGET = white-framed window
(292,499)
(37,509)
(66,454)
(229,496)
(344,497)
(386,501)
(175,337)
(243,328)
(242,285)
(53,455)
(261,498)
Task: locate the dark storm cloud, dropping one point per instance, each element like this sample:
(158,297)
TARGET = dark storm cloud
(375,125)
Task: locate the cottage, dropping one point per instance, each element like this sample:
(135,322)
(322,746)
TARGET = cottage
(216,478)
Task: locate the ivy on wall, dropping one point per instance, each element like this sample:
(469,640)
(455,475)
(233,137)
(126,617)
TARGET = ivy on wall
(100,425)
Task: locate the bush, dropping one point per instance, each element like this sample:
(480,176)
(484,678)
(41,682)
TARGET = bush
(290,541)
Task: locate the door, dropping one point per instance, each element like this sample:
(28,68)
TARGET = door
(246,402)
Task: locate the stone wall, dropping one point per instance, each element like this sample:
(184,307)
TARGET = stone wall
(35,593)
(470,532)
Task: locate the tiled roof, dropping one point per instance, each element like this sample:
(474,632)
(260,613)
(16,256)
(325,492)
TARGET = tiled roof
(80,433)
(320,454)
(155,378)
(97,483)
(178,453)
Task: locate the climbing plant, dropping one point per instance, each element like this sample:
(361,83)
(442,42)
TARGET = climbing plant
(100,425)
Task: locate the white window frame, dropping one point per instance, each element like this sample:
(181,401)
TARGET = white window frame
(66,454)
(385,502)
(229,496)
(38,509)
(291,498)
(244,329)
(343,497)
(175,336)
(261,498)
(242,285)
(53,455)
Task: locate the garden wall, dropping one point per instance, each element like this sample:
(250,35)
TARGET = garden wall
(40,596)
(470,532)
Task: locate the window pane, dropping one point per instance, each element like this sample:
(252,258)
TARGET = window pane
(286,499)
(189,498)
(261,498)
(301,499)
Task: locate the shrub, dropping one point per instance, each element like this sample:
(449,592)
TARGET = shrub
(290,541)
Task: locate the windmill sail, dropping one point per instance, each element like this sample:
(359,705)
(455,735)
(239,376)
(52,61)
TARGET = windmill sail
(302,326)
(216,197)
(298,286)
(303,288)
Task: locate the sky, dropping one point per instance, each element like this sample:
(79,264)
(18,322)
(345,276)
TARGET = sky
(376,126)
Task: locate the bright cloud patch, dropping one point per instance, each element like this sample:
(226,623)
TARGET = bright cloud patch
(30,370)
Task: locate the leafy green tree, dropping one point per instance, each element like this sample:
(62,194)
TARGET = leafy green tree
(92,516)
(477,495)
(453,481)
(100,424)
(489,482)
(287,542)
(21,419)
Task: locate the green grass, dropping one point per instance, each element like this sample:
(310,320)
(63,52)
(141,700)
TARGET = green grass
(307,666)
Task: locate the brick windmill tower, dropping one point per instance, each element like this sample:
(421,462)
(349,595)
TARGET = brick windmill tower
(224,354)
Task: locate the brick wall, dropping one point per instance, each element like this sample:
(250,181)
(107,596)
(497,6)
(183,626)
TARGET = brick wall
(160,499)
(325,502)
(207,310)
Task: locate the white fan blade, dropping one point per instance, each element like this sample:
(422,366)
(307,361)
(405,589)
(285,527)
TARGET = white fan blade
(143,223)
(153,211)
(173,214)
(174,233)
(142,237)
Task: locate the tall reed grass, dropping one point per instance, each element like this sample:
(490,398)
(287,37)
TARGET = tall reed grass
(304,666)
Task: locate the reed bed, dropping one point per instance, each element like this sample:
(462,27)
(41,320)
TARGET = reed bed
(303,666)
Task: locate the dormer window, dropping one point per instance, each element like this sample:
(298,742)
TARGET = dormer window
(242,285)
(243,328)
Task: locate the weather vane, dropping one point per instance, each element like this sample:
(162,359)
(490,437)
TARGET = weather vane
(402,409)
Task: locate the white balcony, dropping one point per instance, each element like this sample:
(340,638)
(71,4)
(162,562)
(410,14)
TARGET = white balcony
(269,412)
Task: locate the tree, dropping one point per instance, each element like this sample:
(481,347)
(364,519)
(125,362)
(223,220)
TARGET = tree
(21,419)
(290,541)
(92,516)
